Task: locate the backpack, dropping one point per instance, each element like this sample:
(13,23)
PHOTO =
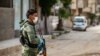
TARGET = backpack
(22,40)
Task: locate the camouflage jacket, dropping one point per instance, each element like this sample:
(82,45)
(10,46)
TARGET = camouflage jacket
(30,29)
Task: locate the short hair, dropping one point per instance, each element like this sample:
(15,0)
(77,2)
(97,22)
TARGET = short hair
(30,12)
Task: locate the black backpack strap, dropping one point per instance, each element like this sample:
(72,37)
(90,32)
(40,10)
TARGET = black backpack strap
(22,39)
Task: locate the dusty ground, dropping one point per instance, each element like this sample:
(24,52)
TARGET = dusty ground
(76,43)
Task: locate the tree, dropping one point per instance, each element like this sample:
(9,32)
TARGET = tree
(92,17)
(66,3)
(46,6)
(98,20)
(62,13)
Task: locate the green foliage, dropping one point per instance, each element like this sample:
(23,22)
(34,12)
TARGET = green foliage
(46,6)
(91,15)
(64,13)
(66,2)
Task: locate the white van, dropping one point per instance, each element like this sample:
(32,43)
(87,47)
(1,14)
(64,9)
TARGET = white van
(80,23)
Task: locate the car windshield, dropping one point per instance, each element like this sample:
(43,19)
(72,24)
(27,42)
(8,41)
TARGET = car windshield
(79,20)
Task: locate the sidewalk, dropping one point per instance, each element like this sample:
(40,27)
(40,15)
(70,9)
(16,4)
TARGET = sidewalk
(12,47)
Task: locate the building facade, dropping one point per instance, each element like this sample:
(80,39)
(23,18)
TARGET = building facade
(80,6)
(11,12)
(98,7)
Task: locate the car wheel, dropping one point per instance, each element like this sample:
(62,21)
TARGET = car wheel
(84,29)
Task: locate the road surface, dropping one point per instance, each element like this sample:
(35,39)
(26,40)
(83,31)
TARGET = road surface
(76,43)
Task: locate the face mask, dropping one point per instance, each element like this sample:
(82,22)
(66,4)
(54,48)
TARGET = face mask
(35,20)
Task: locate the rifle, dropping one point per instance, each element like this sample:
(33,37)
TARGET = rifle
(44,45)
(44,49)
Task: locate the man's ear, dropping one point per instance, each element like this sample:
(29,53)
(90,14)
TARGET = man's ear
(30,16)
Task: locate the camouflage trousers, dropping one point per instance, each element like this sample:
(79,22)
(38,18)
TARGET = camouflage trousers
(29,52)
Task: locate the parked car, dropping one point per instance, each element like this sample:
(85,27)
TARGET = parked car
(80,23)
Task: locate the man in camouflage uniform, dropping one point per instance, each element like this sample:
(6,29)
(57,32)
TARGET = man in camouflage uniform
(28,30)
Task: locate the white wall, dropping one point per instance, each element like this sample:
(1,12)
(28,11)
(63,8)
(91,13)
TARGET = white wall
(25,8)
(17,7)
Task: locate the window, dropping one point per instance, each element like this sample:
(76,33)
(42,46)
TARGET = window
(79,20)
(21,7)
(6,3)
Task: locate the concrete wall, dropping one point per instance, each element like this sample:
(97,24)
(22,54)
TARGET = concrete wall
(6,23)
(68,23)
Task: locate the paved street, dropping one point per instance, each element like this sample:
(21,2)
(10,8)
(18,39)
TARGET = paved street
(76,43)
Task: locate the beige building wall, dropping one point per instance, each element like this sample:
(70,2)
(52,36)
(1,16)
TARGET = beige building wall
(98,7)
(77,4)
(89,6)
(92,6)
(86,5)
(74,9)
(67,23)
(74,5)
(80,3)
